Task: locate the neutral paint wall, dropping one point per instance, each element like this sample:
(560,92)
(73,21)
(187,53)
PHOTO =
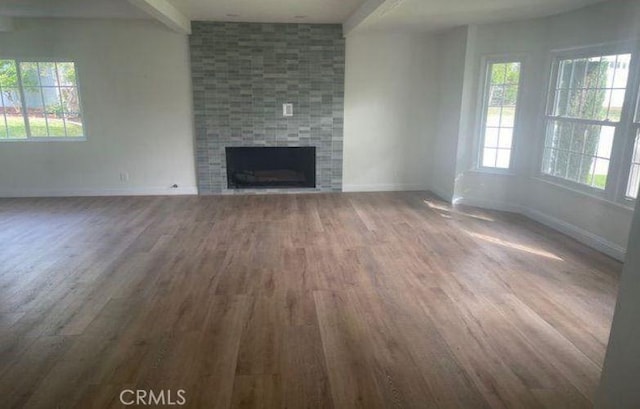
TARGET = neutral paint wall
(136,94)
(594,221)
(390,114)
(621,371)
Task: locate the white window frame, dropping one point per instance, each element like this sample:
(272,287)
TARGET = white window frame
(25,114)
(483,104)
(619,167)
(633,133)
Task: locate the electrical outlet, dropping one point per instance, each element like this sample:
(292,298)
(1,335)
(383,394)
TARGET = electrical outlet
(124,176)
(287,109)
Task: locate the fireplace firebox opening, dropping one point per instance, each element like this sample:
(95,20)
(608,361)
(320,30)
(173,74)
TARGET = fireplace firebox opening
(271,167)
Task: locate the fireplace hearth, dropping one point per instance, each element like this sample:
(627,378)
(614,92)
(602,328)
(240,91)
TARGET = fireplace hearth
(271,167)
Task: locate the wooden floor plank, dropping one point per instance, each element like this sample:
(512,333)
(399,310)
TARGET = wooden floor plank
(353,300)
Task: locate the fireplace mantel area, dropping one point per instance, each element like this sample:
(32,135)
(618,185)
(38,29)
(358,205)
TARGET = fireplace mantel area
(243,74)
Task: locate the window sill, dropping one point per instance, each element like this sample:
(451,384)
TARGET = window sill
(45,139)
(492,171)
(560,184)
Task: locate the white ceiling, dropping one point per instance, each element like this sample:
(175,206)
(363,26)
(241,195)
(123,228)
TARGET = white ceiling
(433,15)
(423,15)
(70,8)
(274,11)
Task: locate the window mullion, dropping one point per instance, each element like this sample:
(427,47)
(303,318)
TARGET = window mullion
(628,131)
(4,112)
(582,120)
(23,100)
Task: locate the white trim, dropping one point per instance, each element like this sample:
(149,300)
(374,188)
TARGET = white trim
(613,191)
(166,13)
(569,186)
(141,191)
(25,113)
(492,171)
(45,139)
(482,109)
(488,204)
(382,187)
(583,236)
(360,14)
(598,49)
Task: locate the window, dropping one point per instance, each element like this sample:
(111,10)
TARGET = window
(39,101)
(634,172)
(502,84)
(583,117)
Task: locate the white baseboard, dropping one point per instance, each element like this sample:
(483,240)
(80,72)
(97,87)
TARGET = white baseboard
(139,191)
(583,236)
(488,204)
(590,239)
(382,187)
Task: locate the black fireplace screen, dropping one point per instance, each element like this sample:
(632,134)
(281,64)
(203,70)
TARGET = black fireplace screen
(264,167)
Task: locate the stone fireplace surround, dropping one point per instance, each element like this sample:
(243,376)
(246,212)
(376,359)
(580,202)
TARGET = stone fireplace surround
(242,73)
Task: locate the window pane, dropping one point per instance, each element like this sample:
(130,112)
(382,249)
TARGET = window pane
(565,67)
(493,116)
(547,165)
(8,74)
(510,95)
(48,75)
(592,88)
(619,64)
(506,138)
(574,166)
(501,96)
(54,111)
(496,96)
(561,105)
(606,142)
(498,72)
(489,158)
(29,74)
(491,137)
(578,152)
(504,156)
(51,99)
(634,175)
(66,74)
(11,119)
(600,172)
(35,112)
(73,121)
(508,117)
(615,104)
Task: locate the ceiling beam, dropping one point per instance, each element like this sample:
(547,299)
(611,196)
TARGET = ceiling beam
(6,24)
(166,13)
(369,10)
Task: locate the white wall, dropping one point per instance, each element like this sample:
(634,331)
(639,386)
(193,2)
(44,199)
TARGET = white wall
(389,110)
(136,94)
(599,223)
